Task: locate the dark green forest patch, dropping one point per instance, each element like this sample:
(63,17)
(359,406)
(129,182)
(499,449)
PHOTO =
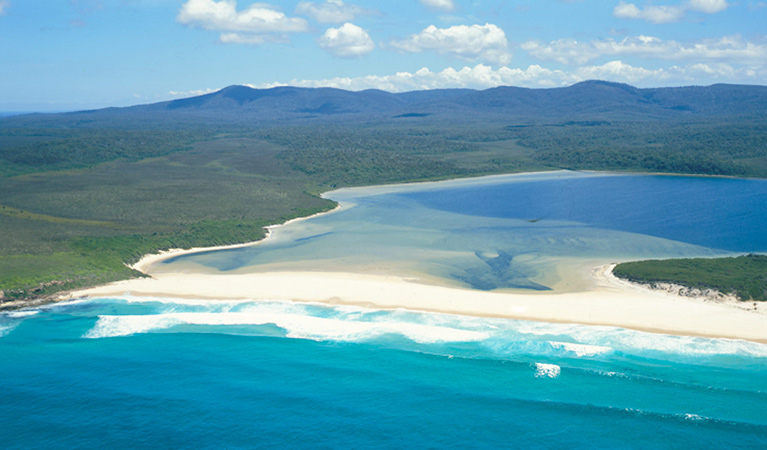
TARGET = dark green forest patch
(743,276)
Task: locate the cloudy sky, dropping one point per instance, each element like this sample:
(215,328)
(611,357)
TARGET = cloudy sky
(73,54)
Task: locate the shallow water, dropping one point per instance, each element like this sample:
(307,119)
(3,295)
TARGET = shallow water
(126,373)
(518,231)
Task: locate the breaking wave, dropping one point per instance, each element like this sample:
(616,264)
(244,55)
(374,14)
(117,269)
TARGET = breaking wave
(496,337)
(12,319)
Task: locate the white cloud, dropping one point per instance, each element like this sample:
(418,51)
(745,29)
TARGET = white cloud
(620,71)
(255,24)
(668,13)
(729,49)
(331,11)
(445,5)
(654,14)
(192,93)
(708,6)
(3,6)
(563,51)
(347,41)
(471,42)
(482,77)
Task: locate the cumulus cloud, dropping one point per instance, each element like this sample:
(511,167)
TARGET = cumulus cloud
(729,49)
(4,6)
(620,71)
(445,5)
(256,24)
(347,41)
(331,11)
(667,13)
(535,76)
(471,42)
(480,76)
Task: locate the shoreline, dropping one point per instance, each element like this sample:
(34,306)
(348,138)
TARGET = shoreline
(143,264)
(607,301)
(147,260)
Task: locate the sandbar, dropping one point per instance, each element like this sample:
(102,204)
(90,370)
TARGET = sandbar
(608,302)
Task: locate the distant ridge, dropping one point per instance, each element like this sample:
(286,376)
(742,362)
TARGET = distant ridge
(588,100)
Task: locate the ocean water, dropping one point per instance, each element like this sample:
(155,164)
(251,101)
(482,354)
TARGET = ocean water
(164,373)
(126,373)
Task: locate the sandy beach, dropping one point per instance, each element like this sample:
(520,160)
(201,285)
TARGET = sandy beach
(610,302)
(599,299)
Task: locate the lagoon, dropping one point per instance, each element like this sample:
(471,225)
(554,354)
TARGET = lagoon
(524,232)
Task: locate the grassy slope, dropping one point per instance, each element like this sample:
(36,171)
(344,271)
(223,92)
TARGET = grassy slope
(744,276)
(75,212)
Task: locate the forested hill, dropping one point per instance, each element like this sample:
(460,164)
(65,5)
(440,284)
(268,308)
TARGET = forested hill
(589,100)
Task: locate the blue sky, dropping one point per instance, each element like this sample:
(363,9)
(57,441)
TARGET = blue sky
(60,55)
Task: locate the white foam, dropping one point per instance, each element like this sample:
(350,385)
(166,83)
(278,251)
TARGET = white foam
(20,314)
(632,341)
(319,322)
(6,328)
(16,317)
(581,350)
(612,374)
(547,370)
(296,325)
(113,326)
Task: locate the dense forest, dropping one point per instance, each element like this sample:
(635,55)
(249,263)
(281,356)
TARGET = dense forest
(83,193)
(742,276)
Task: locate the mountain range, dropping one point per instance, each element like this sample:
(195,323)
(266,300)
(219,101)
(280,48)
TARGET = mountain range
(585,100)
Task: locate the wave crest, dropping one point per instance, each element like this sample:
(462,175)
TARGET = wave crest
(296,326)
(547,370)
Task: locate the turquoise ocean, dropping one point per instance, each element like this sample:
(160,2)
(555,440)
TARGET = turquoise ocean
(132,372)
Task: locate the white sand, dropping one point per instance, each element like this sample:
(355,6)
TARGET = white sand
(609,302)
(603,300)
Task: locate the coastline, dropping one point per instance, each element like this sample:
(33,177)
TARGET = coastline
(604,301)
(609,303)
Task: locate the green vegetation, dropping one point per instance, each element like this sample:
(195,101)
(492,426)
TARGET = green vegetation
(736,148)
(25,150)
(79,200)
(743,276)
(73,228)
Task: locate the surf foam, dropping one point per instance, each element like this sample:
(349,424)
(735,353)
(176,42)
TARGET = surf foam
(547,370)
(296,326)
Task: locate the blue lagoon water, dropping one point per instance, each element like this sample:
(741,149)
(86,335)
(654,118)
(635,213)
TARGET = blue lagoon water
(511,232)
(164,373)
